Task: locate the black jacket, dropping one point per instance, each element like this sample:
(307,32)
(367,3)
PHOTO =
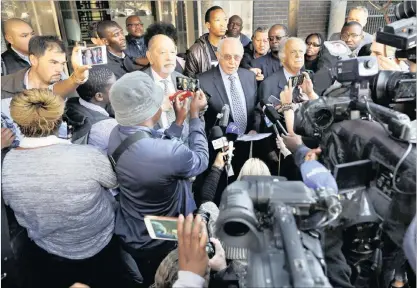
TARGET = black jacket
(12,62)
(247,56)
(13,83)
(198,58)
(81,119)
(121,66)
(268,64)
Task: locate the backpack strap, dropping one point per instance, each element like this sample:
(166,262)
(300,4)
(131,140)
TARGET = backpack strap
(114,157)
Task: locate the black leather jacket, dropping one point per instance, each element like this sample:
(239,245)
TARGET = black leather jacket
(198,58)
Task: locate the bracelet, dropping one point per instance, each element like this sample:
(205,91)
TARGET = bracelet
(78,82)
(285,107)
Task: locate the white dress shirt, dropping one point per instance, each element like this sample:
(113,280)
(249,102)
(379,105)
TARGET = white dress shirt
(171,90)
(227,84)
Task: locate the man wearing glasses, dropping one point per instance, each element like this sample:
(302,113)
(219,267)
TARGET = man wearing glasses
(136,48)
(352,35)
(270,63)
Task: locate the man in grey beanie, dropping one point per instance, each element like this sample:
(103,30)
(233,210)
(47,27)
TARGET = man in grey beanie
(153,172)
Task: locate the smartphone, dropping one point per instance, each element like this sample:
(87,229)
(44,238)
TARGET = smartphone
(297,80)
(162,228)
(92,55)
(188,84)
(274,101)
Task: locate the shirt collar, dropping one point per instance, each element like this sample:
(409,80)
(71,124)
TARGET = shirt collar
(26,80)
(93,107)
(288,75)
(35,142)
(158,78)
(226,76)
(24,57)
(122,57)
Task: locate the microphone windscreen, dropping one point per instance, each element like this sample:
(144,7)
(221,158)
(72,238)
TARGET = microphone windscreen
(216,132)
(232,132)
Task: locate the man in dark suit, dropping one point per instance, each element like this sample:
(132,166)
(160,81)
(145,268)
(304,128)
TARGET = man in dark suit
(270,63)
(229,84)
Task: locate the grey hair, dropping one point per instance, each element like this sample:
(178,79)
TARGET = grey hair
(236,40)
(362,8)
(283,44)
(255,167)
(260,30)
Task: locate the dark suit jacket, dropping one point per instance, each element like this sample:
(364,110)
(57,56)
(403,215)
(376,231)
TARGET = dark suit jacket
(211,82)
(273,85)
(267,63)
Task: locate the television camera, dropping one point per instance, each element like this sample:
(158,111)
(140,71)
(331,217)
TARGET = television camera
(278,222)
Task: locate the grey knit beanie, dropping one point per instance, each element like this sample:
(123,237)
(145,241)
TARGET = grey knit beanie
(135,98)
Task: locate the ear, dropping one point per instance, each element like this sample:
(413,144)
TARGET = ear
(148,55)
(33,60)
(9,38)
(99,97)
(208,25)
(105,41)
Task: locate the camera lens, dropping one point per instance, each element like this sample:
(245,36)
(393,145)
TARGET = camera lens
(406,9)
(235,229)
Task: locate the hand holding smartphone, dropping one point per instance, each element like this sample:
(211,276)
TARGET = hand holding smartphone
(96,55)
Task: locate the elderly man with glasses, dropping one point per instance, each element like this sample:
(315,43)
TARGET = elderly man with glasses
(236,87)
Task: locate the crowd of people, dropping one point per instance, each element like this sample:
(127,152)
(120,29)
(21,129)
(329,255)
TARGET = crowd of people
(86,157)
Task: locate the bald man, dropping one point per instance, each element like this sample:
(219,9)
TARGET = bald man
(162,53)
(234,29)
(136,48)
(270,63)
(17,33)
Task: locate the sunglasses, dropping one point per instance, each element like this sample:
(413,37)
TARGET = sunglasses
(229,57)
(346,36)
(278,38)
(312,44)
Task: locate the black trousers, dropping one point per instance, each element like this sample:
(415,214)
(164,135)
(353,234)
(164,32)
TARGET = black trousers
(103,270)
(148,260)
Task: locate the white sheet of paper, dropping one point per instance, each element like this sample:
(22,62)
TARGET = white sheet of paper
(254,137)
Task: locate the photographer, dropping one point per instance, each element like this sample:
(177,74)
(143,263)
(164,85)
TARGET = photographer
(315,175)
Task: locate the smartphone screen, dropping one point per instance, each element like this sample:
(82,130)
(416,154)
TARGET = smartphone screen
(297,80)
(93,55)
(163,228)
(188,84)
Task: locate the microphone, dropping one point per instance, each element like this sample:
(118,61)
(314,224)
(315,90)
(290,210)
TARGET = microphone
(217,138)
(273,116)
(224,120)
(232,133)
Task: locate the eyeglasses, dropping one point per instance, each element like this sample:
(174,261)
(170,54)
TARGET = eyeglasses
(346,36)
(278,38)
(135,25)
(229,57)
(312,44)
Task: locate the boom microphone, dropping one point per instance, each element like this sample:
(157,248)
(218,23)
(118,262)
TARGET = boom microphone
(224,120)
(232,132)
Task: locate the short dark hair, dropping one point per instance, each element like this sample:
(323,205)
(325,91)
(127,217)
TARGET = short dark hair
(285,28)
(159,28)
(39,44)
(102,26)
(97,81)
(365,50)
(208,12)
(353,23)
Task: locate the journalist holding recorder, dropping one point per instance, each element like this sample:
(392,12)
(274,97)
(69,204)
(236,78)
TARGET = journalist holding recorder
(153,172)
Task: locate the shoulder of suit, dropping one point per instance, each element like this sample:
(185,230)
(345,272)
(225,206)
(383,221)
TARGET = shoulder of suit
(10,78)
(245,72)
